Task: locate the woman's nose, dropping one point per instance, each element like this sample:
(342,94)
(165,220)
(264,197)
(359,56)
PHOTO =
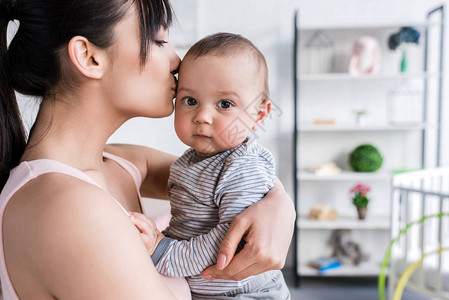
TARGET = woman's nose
(174,60)
(203,116)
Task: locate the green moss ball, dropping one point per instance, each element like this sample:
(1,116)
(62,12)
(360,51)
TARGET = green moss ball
(365,158)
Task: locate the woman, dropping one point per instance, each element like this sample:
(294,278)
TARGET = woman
(64,224)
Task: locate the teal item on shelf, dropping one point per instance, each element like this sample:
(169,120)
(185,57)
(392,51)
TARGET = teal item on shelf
(404,62)
(365,158)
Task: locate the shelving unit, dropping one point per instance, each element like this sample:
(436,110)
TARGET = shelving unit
(403,145)
(345,222)
(344,176)
(364,269)
(351,127)
(347,76)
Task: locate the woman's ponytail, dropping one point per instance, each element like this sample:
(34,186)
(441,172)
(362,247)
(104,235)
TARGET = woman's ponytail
(12,134)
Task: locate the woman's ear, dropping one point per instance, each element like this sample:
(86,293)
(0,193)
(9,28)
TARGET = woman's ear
(90,60)
(264,110)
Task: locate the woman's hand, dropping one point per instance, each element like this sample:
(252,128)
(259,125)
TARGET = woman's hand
(149,233)
(267,228)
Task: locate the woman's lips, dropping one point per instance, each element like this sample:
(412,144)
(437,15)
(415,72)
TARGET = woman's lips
(175,86)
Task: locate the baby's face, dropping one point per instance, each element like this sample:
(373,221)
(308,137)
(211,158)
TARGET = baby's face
(218,102)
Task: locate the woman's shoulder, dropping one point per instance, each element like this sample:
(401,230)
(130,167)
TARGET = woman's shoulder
(61,227)
(54,217)
(55,201)
(52,195)
(49,187)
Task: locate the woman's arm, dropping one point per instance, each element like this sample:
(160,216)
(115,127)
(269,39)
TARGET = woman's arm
(267,227)
(154,166)
(267,240)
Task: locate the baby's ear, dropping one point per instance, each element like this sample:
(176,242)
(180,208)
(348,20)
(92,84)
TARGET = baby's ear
(264,110)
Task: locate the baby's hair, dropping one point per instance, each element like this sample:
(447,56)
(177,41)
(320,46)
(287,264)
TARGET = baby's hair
(229,44)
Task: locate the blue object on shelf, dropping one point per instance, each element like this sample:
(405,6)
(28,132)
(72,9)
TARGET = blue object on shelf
(324,263)
(405,35)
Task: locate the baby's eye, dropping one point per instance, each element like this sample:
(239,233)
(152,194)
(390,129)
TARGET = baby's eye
(189,101)
(225,104)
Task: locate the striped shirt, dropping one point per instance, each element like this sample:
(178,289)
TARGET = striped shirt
(205,195)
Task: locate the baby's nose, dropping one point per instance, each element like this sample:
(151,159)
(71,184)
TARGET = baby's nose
(204,116)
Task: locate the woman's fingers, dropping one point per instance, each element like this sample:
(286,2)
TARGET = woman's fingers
(251,260)
(267,227)
(231,241)
(237,267)
(249,270)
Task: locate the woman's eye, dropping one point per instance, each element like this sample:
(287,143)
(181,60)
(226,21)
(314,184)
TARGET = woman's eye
(189,101)
(160,42)
(225,104)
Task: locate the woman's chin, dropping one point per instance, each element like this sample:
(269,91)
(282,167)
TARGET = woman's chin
(162,113)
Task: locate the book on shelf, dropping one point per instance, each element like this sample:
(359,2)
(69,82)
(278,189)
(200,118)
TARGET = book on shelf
(324,263)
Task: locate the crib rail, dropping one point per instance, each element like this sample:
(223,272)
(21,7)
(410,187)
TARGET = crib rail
(417,196)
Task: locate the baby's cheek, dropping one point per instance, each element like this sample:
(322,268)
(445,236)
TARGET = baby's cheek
(233,133)
(181,126)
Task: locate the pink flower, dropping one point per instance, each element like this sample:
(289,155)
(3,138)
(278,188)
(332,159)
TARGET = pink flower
(360,189)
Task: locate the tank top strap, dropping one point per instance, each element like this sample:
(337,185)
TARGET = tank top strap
(44,166)
(128,166)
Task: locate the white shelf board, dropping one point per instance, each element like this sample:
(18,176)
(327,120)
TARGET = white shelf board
(368,127)
(345,222)
(392,26)
(345,176)
(363,269)
(349,77)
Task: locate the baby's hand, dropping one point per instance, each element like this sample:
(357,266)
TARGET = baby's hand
(149,233)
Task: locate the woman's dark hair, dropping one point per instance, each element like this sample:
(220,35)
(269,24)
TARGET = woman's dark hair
(32,65)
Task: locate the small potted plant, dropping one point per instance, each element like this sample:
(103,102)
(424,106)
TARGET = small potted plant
(360,199)
(359,120)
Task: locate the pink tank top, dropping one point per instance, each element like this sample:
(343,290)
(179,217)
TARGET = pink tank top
(29,170)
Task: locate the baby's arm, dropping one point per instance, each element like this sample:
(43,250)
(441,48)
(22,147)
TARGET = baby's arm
(243,183)
(181,258)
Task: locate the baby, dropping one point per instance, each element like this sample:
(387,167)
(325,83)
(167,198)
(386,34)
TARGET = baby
(222,98)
